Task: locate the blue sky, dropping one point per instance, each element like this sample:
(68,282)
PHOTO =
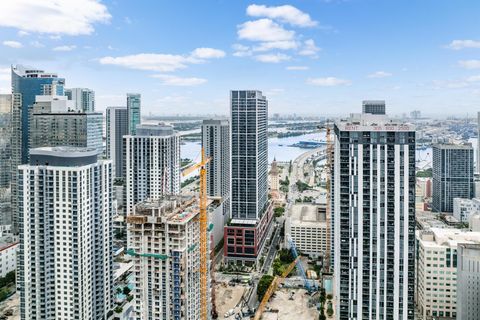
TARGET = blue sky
(308,56)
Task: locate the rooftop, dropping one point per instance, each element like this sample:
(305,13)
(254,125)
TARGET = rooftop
(307,215)
(160,129)
(452,146)
(441,237)
(171,209)
(372,122)
(63,156)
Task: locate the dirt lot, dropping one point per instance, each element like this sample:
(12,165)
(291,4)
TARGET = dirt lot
(290,309)
(227,297)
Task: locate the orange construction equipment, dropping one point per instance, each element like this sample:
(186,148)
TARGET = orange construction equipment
(271,289)
(203,232)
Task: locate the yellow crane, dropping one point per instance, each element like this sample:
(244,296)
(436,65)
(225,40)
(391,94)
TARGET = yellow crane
(271,289)
(203,232)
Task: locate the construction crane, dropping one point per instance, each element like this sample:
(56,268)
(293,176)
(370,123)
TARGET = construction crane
(271,289)
(329,155)
(202,166)
(300,267)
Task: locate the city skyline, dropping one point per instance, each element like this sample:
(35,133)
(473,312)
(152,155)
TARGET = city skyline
(319,57)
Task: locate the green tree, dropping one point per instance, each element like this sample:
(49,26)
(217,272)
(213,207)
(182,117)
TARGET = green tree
(263,285)
(279,211)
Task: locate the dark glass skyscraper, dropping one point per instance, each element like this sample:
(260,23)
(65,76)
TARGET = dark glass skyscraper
(452,175)
(29,83)
(251,215)
(249,161)
(373,189)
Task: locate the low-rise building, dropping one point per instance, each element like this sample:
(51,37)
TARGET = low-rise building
(436,271)
(307,225)
(165,250)
(8,258)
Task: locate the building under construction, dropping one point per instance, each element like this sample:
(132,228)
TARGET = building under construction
(165,247)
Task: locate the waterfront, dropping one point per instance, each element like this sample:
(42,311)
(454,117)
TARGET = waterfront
(278,148)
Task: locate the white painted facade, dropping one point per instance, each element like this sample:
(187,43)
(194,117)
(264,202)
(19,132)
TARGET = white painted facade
(464,208)
(308,228)
(8,258)
(436,274)
(152,162)
(65,266)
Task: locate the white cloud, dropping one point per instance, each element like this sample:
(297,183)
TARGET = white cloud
(5,74)
(281,45)
(170,80)
(272,58)
(457,83)
(241,50)
(162,62)
(462,44)
(297,68)
(148,61)
(379,74)
(37,44)
(22,33)
(264,30)
(285,13)
(12,44)
(309,48)
(65,48)
(127,20)
(328,82)
(207,53)
(70,17)
(469,64)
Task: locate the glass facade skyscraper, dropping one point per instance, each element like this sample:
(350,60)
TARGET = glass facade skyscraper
(29,83)
(249,155)
(453,175)
(134,112)
(251,215)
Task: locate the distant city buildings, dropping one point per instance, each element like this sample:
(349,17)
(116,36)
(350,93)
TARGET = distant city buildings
(53,122)
(152,164)
(83,98)
(250,211)
(468,281)
(134,112)
(165,247)
(65,254)
(373,216)
(436,274)
(373,106)
(116,128)
(452,175)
